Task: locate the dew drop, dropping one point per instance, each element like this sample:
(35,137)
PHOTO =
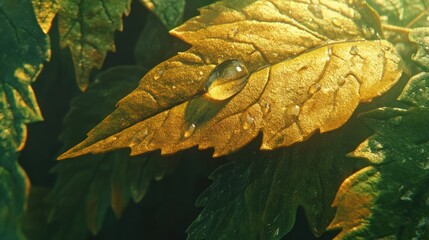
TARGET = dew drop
(377,145)
(315,10)
(158,75)
(341,81)
(336,22)
(314,88)
(277,232)
(233,33)
(266,108)
(396,121)
(354,50)
(190,130)
(139,136)
(247,121)
(293,111)
(226,80)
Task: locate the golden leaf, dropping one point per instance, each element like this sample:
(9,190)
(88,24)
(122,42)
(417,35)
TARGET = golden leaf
(290,68)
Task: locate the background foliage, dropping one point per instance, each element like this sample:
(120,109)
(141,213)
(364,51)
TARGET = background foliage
(382,151)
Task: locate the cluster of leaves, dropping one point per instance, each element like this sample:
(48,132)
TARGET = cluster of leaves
(309,65)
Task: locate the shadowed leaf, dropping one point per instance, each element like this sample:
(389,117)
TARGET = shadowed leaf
(87,186)
(23,48)
(170,12)
(307,76)
(257,195)
(87,27)
(390,199)
(407,13)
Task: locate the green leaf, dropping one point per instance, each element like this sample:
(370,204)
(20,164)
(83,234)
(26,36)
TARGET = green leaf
(87,27)
(34,223)
(417,90)
(23,49)
(257,195)
(407,13)
(154,44)
(170,12)
(389,199)
(45,11)
(14,185)
(87,186)
(420,36)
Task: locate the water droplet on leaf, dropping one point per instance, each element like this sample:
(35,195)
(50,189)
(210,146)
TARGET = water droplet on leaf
(266,108)
(396,121)
(341,81)
(190,131)
(226,80)
(158,75)
(293,111)
(247,121)
(314,88)
(336,22)
(315,10)
(354,50)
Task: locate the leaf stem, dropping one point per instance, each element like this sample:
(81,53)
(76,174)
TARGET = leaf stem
(396,29)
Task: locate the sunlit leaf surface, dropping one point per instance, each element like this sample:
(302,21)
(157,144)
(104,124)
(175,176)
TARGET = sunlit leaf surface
(389,199)
(293,78)
(45,11)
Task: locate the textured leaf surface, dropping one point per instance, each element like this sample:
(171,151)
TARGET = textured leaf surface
(420,36)
(88,185)
(45,11)
(23,49)
(170,12)
(257,195)
(407,13)
(87,27)
(306,76)
(390,199)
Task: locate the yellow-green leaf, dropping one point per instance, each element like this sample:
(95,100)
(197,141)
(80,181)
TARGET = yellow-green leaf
(45,11)
(87,27)
(309,65)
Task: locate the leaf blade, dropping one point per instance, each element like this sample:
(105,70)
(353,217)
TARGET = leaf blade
(88,37)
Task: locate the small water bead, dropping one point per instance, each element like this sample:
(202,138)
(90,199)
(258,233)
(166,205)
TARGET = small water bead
(314,88)
(190,130)
(336,22)
(158,75)
(266,108)
(341,81)
(315,10)
(139,136)
(247,121)
(226,80)
(396,121)
(294,111)
(354,50)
